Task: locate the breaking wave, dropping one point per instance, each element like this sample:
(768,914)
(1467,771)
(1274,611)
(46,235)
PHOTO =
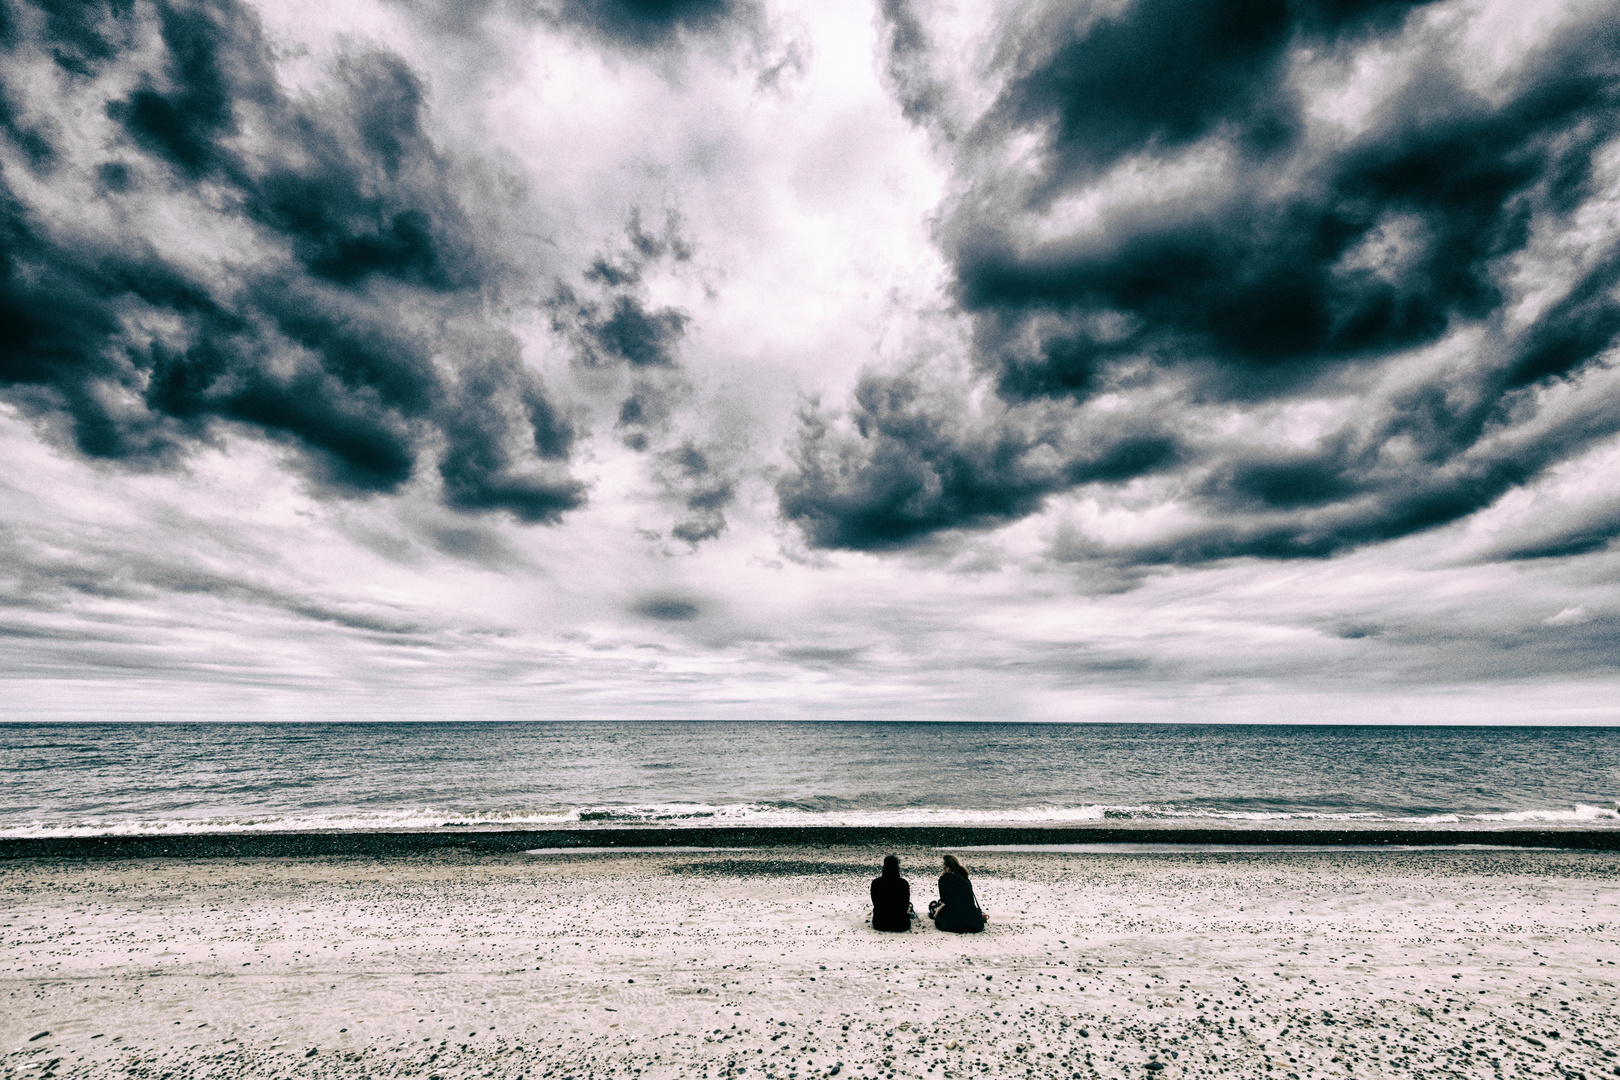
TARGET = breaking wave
(692,815)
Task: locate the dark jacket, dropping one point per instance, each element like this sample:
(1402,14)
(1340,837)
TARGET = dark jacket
(891,903)
(961,914)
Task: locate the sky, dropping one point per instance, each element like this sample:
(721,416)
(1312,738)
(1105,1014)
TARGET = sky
(1135,360)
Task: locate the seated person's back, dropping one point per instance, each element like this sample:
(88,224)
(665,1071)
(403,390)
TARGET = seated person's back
(958,909)
(891,898)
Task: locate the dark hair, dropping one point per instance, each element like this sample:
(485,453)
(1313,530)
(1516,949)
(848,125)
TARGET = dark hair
(891,866)
(954,867)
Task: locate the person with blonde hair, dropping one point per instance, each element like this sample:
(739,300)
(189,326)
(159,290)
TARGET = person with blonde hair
(957,909)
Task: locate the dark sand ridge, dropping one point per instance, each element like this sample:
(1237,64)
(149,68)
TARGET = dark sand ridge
(452,963)
(493,840)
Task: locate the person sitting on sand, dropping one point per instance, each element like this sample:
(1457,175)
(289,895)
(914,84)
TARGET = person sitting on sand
(957,909)
(891,898)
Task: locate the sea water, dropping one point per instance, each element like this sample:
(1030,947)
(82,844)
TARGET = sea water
(88,779)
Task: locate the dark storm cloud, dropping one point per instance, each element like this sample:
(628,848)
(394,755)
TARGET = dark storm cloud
(615,329)
(1161,74)
(650,24)
(628,331)
(668,608)
(703,485)
(614,323)
(615,332)
(353,335)
(1264,285)
(633,26)
(915,463)
(1299,265)
(920,92)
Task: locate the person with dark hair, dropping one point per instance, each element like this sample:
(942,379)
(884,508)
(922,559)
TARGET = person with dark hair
(891,898)
(957,909)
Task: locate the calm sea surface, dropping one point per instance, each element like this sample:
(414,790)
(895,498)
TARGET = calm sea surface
(58,779)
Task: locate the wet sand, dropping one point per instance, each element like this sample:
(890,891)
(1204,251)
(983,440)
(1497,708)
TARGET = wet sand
(1292,965)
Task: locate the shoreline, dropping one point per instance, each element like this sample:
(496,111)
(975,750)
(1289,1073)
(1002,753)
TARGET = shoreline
(487,841)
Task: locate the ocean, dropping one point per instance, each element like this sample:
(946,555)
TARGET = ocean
(125,778)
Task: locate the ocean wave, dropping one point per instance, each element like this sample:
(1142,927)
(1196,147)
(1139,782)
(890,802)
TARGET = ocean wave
(1581,812)
(412,819)
(691,815)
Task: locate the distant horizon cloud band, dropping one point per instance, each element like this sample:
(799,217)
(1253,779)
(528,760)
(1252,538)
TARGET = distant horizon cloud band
(1116,360)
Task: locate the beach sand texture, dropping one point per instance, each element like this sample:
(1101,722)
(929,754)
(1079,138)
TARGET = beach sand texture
(759,964)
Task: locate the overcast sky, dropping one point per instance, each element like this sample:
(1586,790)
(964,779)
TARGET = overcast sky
(1128,360)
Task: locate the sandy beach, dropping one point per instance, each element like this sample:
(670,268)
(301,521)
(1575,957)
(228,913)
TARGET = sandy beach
(758,963)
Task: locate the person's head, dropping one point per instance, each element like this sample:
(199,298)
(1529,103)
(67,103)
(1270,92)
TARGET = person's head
(891,866)
(952,866)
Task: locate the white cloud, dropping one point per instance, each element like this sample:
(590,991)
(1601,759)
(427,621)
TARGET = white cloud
(1570,616)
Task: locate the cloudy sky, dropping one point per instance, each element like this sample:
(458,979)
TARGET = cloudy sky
(1035,360)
